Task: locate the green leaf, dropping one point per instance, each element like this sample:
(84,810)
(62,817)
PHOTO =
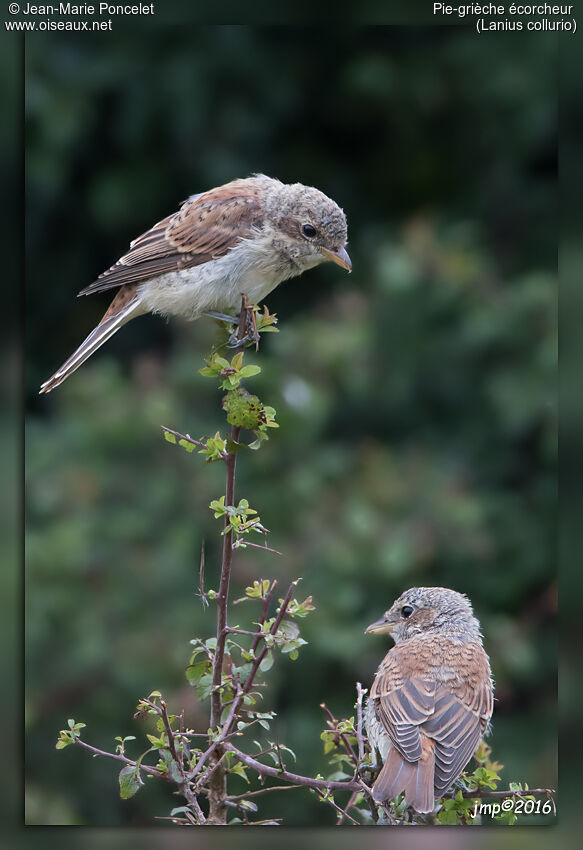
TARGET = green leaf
(233,447)
(237,361)
(249,371)
(204,686)
(64,741)
(186,444)
(157,743)
(239,769)
(267,663)
(195,672)
(170,437)
(130,781)
(259,588)
(448,817)
(174,772)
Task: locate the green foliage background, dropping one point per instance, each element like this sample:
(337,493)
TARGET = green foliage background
(416,397)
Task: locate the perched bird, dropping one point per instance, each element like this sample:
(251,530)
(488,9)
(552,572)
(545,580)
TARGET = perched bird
(432,696)
(244,237)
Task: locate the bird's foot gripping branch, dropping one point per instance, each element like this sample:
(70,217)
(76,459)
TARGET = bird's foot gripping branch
(229,670)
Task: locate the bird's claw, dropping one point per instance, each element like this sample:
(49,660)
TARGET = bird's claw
(235,342)
(251,332)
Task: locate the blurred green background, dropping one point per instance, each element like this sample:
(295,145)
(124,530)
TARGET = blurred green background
(416,397)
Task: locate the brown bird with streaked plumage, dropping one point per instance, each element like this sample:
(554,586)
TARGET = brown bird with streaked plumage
(432,697)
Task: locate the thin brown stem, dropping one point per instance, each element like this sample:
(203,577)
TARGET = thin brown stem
(342,735)
(360,740)
(218,779)
(235,798)
(170,735)
(264,612)
(347,808)
(146,768)
(221,738)
(296,778)
(223,594)
(186,437)
(342,813)
(275,626)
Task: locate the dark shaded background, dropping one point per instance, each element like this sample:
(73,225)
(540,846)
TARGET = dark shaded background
(416,398)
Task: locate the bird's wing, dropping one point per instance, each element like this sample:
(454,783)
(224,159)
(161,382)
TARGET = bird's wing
(459,721)
(206,226)
(403,705)
(455,715)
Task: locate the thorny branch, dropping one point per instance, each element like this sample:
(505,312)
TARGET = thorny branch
(218,778)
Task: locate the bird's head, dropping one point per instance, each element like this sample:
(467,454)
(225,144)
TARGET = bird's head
(311,227)
(427,610)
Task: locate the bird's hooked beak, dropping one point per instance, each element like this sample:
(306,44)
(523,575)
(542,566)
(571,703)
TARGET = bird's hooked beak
(383,626)
(338,256)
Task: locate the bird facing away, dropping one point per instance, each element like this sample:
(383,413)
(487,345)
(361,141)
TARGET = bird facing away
(432,696)
(244,237)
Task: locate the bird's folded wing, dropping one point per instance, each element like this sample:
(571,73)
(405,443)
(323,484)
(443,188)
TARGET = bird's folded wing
(205,227)
(457,725)
(403,706)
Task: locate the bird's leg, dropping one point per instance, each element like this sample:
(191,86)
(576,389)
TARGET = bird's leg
(369,767)
(249,333)
(222,317)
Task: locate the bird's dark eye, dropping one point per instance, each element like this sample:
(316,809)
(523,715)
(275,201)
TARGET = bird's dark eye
(406,610)
(309,230)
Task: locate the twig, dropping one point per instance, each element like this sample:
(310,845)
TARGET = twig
(186,437)
(296,778)
(199,765)
(163,711)
(276,624)
(359,695)
(342,813)
(264,548)
(237,797)
(264,612)
(478,794)
(342,735)
(146,768)
(232,630)
(201,592)
(223,594)
(279,758)
(347,807)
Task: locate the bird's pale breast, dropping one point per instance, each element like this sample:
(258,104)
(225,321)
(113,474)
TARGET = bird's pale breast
(248,267)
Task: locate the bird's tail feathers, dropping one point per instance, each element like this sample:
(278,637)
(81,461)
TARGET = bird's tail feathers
(113,320)
(415,779)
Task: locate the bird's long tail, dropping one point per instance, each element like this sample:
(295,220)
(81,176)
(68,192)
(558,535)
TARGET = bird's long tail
(415,779)
(126,305)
